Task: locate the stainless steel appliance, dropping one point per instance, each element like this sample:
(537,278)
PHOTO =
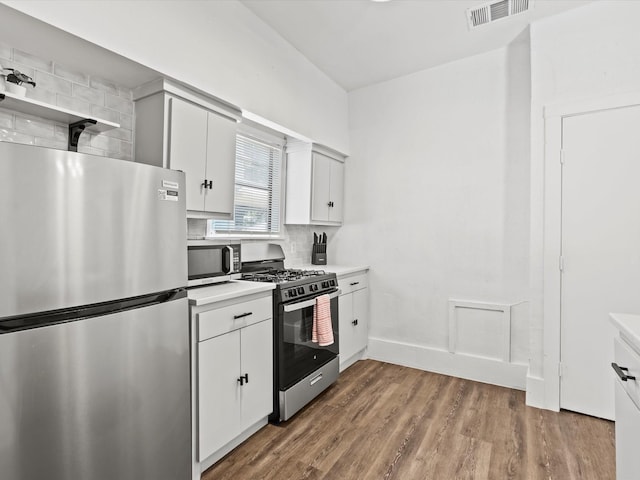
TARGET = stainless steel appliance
(302,368)
(94,336)
(210,263)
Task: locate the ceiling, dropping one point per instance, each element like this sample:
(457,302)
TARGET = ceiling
(362,42)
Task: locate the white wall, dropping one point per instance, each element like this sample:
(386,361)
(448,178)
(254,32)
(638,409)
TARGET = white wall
(217,46)
(437,194)
(586,53)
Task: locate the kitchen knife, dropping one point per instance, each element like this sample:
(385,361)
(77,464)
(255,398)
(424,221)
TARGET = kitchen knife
(315,238)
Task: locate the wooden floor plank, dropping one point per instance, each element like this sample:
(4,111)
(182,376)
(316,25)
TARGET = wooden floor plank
(384,421)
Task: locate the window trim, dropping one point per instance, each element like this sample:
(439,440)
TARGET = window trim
(271,139)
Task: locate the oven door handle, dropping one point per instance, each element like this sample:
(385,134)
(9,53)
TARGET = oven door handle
(292,307)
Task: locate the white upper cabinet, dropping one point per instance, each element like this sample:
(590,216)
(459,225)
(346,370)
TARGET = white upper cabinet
(221,146)
(183,130)
(188,147)
(327,189)
(315,185)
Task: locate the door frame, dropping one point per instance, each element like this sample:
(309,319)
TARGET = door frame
(552,225)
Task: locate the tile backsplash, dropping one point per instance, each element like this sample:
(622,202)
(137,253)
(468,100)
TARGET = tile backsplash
(73,90)
(296,240)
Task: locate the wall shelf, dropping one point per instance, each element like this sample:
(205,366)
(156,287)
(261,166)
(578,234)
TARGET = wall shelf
(77,121)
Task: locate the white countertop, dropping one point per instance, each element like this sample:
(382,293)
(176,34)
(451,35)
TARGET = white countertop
(629,326)
(339,270)
(225,291)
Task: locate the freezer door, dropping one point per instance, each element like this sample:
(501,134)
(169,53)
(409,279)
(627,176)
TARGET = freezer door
(103,398)
(79,229)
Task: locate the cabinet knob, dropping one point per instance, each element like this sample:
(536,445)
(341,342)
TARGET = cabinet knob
(355,322)
(243,379)
(207,184)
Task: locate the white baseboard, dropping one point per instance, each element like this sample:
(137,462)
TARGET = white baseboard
(447,363)
(535,391)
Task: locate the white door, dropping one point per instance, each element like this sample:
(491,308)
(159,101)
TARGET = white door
(336,192)
(321,187)
(257,364)
(221,164)
(188,148)
(218,392)
(600,250)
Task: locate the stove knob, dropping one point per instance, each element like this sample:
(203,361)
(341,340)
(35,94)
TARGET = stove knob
(292,292)
(333,283)
(325,284)
(301,290)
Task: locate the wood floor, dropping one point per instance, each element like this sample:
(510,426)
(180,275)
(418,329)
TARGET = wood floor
(383,421)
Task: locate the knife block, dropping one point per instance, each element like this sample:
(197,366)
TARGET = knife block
(319,254)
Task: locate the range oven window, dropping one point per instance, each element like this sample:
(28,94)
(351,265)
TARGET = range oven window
(299,356)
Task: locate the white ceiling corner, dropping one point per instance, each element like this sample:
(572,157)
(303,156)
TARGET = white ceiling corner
(361,42)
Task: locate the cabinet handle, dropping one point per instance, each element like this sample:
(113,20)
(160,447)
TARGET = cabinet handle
(242,315)
(243,379)
(355,322)
(354,283)
(621,372)
(207,184)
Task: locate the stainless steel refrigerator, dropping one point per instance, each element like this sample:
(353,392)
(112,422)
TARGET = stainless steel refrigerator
(94,333)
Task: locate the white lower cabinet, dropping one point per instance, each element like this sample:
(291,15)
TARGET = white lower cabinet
(353,308)
(235,381)
(218,393)
(627,409)
(233,373)
(627,428)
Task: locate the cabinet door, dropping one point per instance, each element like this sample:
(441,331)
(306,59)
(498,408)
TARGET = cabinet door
(336,191)
(345,327)
(188,148)
(627,427)
(320,187)
(361,317)
(218,392)
(221,164)
(257,363)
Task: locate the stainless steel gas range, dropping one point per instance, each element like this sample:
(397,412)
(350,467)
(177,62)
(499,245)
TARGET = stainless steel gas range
(302,368)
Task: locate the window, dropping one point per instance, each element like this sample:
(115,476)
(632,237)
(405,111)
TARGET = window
(258,188)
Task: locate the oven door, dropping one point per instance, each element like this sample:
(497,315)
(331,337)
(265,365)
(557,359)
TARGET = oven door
(298,356)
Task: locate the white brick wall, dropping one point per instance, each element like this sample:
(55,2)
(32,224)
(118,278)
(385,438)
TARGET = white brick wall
(58,85)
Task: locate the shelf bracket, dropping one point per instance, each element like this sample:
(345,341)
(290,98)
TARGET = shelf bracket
(75,130)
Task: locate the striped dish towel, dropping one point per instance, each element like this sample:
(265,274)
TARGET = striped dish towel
(322,329)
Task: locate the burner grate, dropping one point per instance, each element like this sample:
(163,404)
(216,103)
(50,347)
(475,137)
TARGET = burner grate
(282,276)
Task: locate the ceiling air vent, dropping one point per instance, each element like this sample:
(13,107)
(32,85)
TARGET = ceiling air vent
(492,11)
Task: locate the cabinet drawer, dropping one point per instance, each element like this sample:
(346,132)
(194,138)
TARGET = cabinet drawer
(627,358)
(231,317)
(353,282)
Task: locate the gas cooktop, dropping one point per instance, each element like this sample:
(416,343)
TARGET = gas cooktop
(293,284)
(281,276)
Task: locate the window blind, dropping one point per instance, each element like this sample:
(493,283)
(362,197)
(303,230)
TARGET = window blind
(257,188)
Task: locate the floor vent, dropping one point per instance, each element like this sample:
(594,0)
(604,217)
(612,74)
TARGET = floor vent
(492,11)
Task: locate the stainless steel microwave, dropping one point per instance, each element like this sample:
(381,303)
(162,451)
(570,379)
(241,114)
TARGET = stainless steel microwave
(209,263)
